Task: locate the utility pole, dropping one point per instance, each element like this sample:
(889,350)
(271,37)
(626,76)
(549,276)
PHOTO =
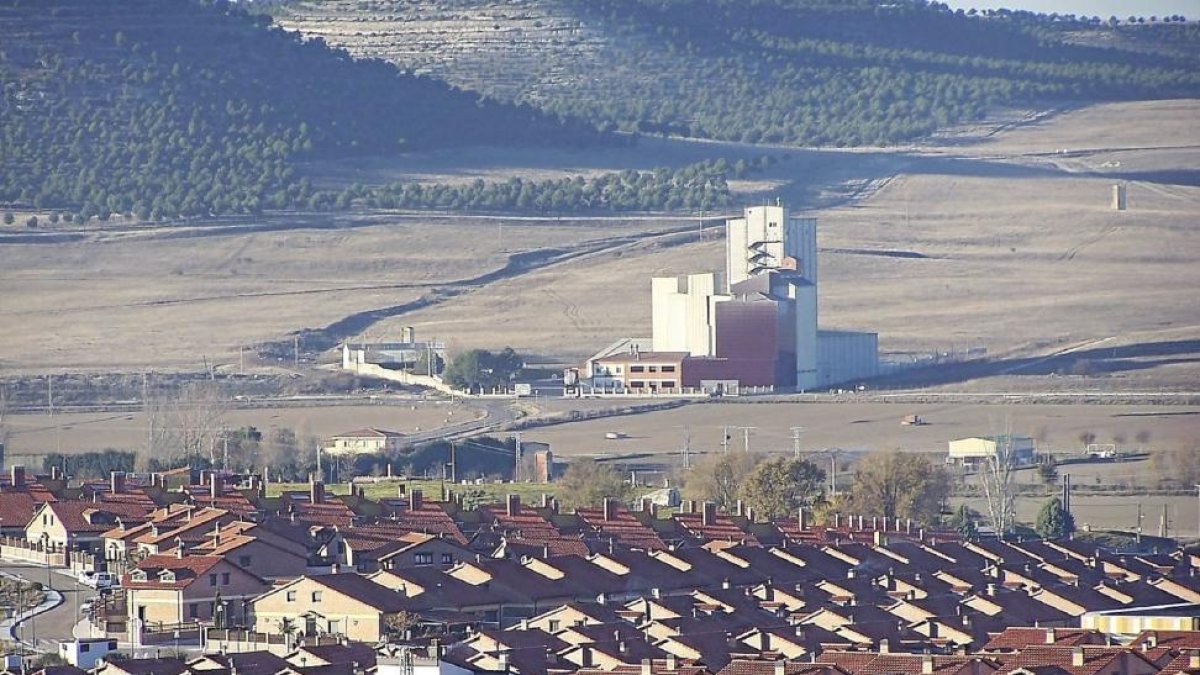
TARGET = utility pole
(149,416)
(833,453)
(1139,523)
(796,431)
(296,352)
(516,457)
(1162,524)
(687,449)
(241,359)
(725,440)
(453,463)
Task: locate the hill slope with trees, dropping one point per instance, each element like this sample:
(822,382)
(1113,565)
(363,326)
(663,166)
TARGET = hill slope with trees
(807,72)
(166,108)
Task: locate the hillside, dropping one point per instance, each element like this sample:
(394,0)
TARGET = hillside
(806,72)
(164,108)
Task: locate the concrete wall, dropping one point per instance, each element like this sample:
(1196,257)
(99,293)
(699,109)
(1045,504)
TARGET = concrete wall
(681,313)
(844,357)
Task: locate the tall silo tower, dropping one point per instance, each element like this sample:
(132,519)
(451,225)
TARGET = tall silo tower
(768,238)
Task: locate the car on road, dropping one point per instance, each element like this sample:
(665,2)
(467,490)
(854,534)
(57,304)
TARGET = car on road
(99,580)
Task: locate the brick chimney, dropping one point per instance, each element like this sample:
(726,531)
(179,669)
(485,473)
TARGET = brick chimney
(610,508)
(708,516)
(316,491)
(116,481)
(513,505)
(18,476)
(417,500)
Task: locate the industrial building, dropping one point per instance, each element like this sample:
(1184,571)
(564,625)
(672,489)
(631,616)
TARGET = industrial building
(757,327)
(976,449)
(409,355)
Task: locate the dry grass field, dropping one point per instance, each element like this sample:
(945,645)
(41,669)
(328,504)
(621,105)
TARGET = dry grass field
(864,426)
(1011,244)
(31,435)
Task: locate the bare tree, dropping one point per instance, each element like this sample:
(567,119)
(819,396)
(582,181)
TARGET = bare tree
(996,474)
(188,424)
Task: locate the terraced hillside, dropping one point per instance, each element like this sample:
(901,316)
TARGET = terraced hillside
(808,72)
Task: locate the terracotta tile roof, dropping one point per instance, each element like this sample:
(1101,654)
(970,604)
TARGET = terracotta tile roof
(1176,639)
(17,508)
(1012,639)
(622,527)
(148,666)
(89,517)
(721,528)
(187,569)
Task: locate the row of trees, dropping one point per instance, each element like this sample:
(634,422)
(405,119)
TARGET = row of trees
(891,484)
(703,185)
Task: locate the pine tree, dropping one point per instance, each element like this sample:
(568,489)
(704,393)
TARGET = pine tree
(1053,521)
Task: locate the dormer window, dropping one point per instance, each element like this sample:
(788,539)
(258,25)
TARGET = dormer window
(138,575)
(166,576)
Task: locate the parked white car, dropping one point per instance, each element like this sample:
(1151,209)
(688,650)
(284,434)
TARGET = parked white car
(99,580)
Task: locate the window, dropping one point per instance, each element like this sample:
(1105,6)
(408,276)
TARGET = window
(84,647)
(637,369)
(654,369)
(290,596)
(447,558)
(553,625)
(225,578)
(668,369)
(668,384)
(341,548)
(194,610)
(244,561)
(423,558)
(637,384)
(212,580)
(316,596)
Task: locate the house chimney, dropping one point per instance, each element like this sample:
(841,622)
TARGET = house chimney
(179,547)
(1151,641)
(215,483)
(991,590)
(885,647)
(1194,661)
(503,657)
(18,476)
(610,509)
(740,508)
(709,516)
(837,520)
(927,664)
(1049,636)
(545,500)
(316,491)
(780,664)
(908,526)
(802,519)
(116,481)
(513,505)
(1077,657)
(585,656)
(932,627)
(647,667)
(55,474)
(671,663)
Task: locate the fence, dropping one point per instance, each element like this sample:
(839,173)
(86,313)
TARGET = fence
(52,556)
(232,641)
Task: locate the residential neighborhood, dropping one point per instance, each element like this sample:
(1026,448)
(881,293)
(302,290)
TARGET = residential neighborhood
(224,577)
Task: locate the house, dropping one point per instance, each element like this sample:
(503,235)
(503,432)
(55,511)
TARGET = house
(177,588)
(338,604)
(365,441)
(80,525)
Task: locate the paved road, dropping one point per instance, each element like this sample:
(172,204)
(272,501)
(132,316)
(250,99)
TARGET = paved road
(56,624)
